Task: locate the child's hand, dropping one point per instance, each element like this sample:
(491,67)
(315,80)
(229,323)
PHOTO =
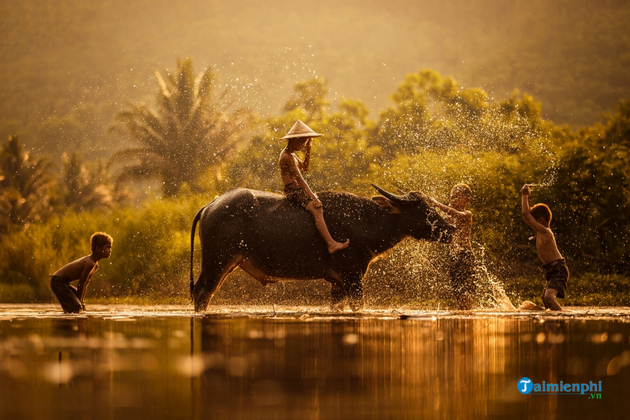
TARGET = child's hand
(317,204)
(526,190)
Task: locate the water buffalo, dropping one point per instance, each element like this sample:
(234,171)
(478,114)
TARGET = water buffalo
(272,239)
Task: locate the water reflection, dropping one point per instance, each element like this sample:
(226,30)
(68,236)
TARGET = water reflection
(308,367)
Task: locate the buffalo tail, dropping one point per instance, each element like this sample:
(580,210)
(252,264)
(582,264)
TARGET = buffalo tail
(192,251)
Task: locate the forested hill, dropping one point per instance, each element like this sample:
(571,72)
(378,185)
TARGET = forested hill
(67,57)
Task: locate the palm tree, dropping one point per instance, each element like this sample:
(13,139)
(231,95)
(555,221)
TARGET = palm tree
(26,186)
(190,131)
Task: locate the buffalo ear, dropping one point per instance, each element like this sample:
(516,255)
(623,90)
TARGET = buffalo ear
(385,204)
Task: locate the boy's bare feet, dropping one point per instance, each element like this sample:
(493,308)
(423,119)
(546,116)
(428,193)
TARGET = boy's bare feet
(338,246)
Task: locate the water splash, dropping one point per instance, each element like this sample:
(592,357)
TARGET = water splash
(498,296)
(416,275)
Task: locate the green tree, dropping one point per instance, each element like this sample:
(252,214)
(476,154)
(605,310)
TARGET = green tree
(341,158)
(310,97)
(593,191)
(27,187)
(191,130)
(430,112)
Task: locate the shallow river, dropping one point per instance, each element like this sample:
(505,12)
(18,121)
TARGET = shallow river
(306,363)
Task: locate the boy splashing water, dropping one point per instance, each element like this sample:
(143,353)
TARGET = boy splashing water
(556,270)
(462,259)
(295,188)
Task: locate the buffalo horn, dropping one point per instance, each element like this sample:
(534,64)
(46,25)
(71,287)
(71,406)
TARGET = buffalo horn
(390,196)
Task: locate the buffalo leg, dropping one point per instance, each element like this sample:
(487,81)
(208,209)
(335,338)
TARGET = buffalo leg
(337,295)
(209,282)
(355,295)
(353,284)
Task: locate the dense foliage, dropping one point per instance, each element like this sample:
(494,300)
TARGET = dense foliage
(433,135)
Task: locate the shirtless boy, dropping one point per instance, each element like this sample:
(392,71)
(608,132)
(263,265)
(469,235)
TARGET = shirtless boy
(295,188)
(556,270)
(462,259)
(71,298)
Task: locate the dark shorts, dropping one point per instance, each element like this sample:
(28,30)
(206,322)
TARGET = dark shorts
(66,294)
(557,276)
(296,195)
(462,272)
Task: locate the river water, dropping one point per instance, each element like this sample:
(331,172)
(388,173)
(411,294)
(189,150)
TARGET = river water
(121,362)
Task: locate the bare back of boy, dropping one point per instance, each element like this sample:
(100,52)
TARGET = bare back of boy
(83,268)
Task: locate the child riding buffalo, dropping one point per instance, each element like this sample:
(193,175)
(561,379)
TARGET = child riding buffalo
(296,189)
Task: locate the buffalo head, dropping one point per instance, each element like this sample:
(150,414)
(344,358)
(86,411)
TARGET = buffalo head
(418,217)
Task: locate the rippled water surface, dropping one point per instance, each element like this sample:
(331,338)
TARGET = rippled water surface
(305,362)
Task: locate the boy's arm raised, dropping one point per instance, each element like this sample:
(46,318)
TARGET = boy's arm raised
(527,216)
(303,165)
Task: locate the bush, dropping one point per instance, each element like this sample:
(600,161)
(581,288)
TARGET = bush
(150,254)
(12,293)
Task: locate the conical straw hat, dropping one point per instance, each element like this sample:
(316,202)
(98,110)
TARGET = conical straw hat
(300,129)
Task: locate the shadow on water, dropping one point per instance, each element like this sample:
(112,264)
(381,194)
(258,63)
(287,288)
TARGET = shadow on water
(308,363)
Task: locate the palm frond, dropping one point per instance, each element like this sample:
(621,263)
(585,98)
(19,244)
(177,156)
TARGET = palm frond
(121,156)
(189,131)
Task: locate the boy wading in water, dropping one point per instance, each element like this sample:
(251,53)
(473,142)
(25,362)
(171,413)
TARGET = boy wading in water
(71,298)
(295,188)
(556,270)
(462,259)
